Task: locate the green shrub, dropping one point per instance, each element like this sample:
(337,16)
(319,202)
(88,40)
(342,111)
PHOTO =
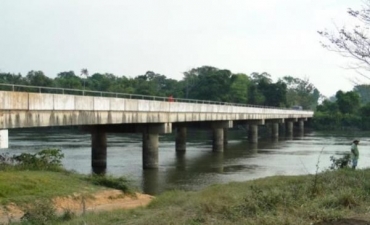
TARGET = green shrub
(47,159)
(40,212)
(340,163)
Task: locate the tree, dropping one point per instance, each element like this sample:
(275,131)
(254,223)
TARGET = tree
(264,92)
(208,83)
(85,72)
(9,78)
(239,88)
(101,82)
(68,80)
(348,102)
(301,92)
(364,91)
(352,42)
(328,107)
(258,81)
(38,78)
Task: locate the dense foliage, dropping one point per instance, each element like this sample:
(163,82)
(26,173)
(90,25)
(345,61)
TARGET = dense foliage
(205,83)
(348,110)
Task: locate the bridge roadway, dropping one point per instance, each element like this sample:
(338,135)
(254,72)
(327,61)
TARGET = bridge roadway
(101,115)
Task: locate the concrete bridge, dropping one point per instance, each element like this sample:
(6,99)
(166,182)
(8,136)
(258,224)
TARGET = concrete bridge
(100,115)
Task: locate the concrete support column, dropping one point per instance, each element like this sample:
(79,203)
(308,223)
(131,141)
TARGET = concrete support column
(150,150)
(98,150)
(181,139)
(218,140)
(301,125)
(226,132)
(253,133)
(274,130)
(289,128)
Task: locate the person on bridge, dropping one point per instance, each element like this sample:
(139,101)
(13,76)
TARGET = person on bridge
(354,153)
(170,98)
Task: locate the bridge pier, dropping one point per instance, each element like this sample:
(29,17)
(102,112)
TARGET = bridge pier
(98,149)
(181,139)
(301,125)
(274,130)
(218,139)
(150,150)
(289,128)
(274,127)
(253,130)
(150,142)
(253,133)
(226,132)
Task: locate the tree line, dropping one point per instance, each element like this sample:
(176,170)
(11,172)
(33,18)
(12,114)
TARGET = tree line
(345,110)
(202,83)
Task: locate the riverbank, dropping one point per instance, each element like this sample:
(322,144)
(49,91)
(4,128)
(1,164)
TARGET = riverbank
(53,194)
(99,201)
(332,197)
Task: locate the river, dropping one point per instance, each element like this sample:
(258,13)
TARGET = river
(199,166)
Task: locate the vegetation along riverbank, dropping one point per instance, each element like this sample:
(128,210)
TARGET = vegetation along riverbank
(44,193)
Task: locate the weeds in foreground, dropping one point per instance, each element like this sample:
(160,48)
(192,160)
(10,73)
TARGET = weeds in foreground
(341,162)
(40,212)
(47,159)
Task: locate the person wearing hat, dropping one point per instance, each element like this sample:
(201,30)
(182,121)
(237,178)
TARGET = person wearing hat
(354,153)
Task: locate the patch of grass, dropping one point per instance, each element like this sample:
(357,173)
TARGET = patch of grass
(275,200)
(26,186)
(119,183)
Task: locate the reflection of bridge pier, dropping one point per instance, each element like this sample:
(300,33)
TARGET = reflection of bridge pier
(149,115)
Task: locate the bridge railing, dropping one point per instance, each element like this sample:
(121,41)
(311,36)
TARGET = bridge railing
(84,92)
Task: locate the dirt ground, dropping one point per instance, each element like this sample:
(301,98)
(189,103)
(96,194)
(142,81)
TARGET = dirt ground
(101,201)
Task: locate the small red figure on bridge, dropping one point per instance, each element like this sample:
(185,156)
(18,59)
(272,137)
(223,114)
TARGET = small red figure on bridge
(170,98)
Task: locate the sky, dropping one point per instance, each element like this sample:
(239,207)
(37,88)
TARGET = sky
(169,37)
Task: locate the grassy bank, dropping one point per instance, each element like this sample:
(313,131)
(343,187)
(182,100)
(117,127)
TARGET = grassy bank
(22,186)
(275,200)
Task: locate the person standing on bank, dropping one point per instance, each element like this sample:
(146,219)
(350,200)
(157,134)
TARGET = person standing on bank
(354,153)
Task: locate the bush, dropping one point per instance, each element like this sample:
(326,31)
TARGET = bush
(340,163)
(39,212)
(47,159)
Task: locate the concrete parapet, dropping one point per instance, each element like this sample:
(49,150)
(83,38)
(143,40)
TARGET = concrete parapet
(64,102)
(117,104)
(38,101)
(14,100)
(84,103)
(101,104)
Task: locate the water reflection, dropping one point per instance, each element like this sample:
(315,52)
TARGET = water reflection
(198,167)
(180,160)
(150,181)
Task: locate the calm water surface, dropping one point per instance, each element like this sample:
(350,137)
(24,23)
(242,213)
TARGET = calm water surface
(199,166)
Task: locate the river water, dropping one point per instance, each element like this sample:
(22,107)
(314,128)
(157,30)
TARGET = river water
(199,166)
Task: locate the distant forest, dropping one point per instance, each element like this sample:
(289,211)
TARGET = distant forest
(203,83)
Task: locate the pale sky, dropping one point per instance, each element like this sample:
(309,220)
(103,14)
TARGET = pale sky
(169,37)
